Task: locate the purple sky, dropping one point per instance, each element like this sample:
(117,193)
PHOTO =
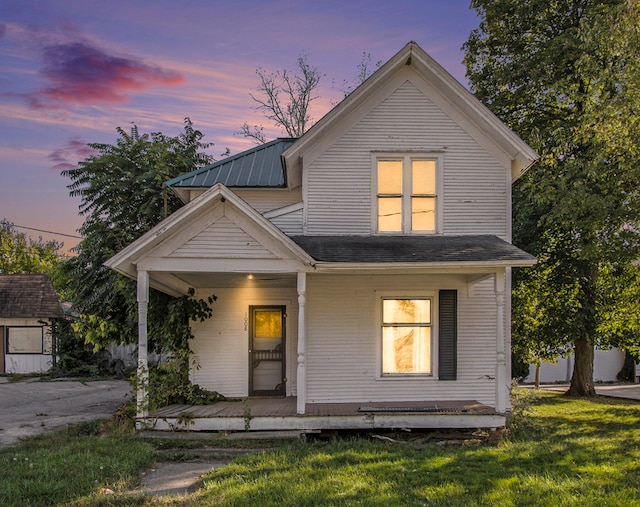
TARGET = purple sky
(71,71)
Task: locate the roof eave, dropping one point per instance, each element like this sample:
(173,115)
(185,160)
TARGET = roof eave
(457,266)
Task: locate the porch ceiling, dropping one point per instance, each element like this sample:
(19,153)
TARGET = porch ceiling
(237,280)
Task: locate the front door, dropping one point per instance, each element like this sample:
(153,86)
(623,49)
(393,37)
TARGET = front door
(267,351)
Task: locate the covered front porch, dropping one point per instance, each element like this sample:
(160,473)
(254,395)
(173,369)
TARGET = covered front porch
(272,414)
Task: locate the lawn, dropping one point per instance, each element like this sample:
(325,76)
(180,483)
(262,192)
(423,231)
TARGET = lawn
(560,452)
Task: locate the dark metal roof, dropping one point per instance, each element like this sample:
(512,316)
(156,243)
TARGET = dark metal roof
(25,296)
(259,167)
(406,249)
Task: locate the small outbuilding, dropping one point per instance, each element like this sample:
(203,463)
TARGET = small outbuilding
(28,307)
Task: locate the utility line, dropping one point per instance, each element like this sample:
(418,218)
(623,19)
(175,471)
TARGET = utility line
(48,232)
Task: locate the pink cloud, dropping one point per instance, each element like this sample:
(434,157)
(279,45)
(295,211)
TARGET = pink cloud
(75,149)
(78,72)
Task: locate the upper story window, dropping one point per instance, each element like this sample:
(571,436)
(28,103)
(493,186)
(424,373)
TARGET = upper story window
(406,194)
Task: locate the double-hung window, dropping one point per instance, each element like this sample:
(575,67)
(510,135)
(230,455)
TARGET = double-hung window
(406,336)
(406,194)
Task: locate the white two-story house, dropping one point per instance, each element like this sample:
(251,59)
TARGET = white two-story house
(362,272)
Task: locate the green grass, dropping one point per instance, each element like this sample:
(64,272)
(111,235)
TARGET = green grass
(69,465)
(561,452)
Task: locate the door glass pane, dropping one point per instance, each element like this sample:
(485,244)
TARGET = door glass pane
(406,311)
(423,214)
(390,177)
(389,214)
(268,324)
(423,177)
(406,350)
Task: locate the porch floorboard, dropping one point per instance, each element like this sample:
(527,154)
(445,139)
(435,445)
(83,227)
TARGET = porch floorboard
(280,414)
(284,407)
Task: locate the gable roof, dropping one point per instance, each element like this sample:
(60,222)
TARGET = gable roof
(414,249)
(258,167)
(454,97)
(28,296)
(170,242)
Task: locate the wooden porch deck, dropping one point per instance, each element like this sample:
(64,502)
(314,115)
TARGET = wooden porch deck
(268,414)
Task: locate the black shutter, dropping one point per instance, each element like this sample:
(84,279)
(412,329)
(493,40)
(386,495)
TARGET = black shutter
(2,349)
(448,343)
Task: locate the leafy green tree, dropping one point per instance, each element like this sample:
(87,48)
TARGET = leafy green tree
(123,196)
(620,322)
(22,254)
(565,76)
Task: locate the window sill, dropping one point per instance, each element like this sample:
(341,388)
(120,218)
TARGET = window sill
(416,377)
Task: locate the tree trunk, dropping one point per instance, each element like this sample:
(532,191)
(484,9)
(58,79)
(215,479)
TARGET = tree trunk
(582,378)
(537,376)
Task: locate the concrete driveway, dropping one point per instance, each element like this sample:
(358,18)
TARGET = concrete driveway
(30,407)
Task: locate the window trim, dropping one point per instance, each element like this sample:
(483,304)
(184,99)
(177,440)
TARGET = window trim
(431,295)
(407,191)
(44,341)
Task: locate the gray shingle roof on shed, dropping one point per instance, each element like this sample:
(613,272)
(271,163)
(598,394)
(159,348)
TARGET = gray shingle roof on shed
(259,167)
(407,249)
(28,296)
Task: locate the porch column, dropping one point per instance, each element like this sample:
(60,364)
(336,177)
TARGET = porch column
(142,400)
(502,382)
(302,343)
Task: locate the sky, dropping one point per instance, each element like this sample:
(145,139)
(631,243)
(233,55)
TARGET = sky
(72,71)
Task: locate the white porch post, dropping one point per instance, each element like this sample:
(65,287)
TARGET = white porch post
(502,382)
(302,343)
(143,369)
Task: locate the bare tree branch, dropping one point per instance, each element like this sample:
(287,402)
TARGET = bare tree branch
(254,132)
(285,100)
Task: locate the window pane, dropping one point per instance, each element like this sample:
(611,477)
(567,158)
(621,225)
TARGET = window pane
(390,177)
(406,350)
(423,177)
(389,213)
(406,311)
(423,214)
(24,340)
(268,324)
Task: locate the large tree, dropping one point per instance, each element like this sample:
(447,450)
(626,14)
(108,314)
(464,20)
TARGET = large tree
(565,75)
(122,196)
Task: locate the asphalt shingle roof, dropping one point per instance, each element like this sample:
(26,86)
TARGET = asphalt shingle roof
(407,249)
(28,296)
(259,167)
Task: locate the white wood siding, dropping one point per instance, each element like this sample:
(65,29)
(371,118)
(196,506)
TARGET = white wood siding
(338,183)
(27,363)
(343,340)
(266,199)
(289,223)
(237,243)
(221,343)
